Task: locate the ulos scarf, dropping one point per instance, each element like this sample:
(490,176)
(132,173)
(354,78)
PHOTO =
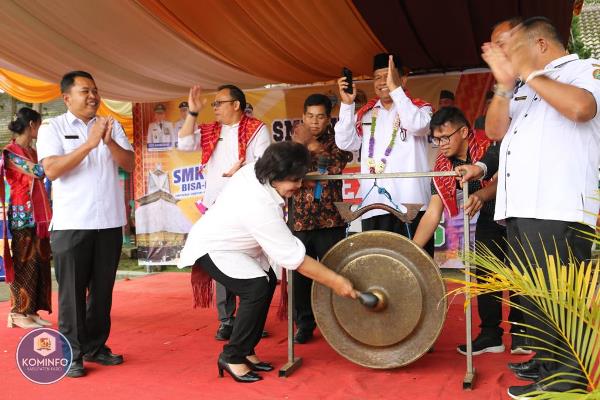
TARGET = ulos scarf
(446,185)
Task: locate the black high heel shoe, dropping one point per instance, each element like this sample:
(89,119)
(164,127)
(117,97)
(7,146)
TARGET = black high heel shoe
(259,366)
(248,377)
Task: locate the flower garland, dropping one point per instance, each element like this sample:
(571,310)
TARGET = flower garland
(379,166)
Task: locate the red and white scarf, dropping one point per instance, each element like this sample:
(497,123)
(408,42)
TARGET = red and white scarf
(371,103)
(210,133)
(446,185)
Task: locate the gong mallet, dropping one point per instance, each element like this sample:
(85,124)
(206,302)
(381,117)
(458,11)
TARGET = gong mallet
(374,299)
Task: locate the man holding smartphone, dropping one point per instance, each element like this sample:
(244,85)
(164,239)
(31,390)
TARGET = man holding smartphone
(391,131)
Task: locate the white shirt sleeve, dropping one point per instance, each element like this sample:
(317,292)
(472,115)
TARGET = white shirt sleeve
(346,136)
(275,238)
(187,143)
(413,118)
(585,79)
(258,145)
(119,136)
(48,142)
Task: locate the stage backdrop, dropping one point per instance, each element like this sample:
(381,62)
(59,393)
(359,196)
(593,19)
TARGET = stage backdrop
(169,182)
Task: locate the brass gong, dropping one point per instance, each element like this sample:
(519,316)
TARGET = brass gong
(412,306)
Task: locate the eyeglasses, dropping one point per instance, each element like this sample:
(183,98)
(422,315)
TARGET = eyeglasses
(217,103)
(444,139)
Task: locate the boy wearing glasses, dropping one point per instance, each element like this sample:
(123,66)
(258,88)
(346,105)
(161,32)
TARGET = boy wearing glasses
(459,146)
(229,142)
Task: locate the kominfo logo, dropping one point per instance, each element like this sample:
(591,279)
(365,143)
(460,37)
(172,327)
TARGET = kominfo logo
(44,356)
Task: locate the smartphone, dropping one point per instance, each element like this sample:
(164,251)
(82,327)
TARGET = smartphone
(348,74)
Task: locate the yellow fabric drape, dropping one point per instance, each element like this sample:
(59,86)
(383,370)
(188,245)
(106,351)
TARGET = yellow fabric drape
(291,41)
(32,90)
(27,89)
(126,120)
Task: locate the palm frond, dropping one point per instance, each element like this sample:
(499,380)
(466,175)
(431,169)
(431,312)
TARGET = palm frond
(567,298)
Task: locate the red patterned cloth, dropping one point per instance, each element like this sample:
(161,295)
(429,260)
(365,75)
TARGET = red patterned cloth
(371,103)
(446,185)
(209,136)
(25,187)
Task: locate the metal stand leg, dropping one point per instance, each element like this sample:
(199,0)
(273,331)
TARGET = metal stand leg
(469,379)
(293,363)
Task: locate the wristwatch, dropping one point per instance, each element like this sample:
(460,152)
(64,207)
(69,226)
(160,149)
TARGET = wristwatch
(498,91)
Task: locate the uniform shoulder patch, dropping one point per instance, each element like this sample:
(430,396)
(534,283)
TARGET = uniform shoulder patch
(596,73)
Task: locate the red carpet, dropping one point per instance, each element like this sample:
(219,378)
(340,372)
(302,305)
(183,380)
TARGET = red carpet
(170,353)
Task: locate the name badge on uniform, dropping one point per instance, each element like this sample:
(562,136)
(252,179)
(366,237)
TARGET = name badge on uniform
(71,136)
(520,98)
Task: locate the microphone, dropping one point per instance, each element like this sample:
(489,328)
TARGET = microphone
(322,164)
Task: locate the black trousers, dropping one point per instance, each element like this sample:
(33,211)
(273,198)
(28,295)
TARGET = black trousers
(86,263)
(317,243)
(528,237)
(388,222)
(225,304)
(255,298)
(489,305)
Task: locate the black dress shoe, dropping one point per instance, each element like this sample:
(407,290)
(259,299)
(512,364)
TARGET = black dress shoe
(529,375)
(76,370)
(524,366)
(104,357)
(260,366)
(302,336)
(224,332)
(526,392)
(248,377)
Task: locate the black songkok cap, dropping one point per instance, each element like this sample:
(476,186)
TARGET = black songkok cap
(381,60)
(446,94)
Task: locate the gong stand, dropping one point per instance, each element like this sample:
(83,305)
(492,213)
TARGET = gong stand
(295,362)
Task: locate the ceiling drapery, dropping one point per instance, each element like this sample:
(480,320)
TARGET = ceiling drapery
(131,54)
(439,36)
(152,50)
(285,41)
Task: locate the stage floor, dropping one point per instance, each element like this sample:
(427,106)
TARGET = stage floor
(170,353)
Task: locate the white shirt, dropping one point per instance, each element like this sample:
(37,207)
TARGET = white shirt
(243,229)
(177,126)
(409,155)
(225,156)
(548,163)
(90,195)
(162,132)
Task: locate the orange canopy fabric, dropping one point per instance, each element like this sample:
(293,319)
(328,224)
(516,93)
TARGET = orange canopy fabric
(286,41)
(31,90)
(154,50)
(131,54)
(27,89)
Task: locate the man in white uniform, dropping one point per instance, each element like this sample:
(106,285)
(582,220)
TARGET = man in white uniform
(183,112)
(161,131)
(82,153)
(549,157)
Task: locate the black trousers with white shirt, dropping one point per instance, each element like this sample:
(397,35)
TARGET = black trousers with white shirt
(534,238)
(86,263)
(255,298)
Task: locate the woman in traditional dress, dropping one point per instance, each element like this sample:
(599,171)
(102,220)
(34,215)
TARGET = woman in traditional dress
(29,214)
